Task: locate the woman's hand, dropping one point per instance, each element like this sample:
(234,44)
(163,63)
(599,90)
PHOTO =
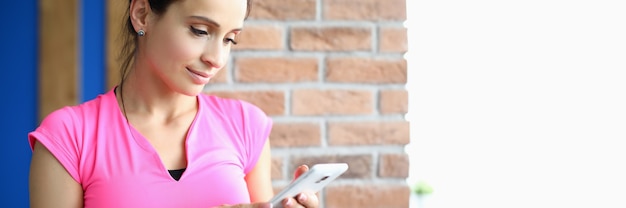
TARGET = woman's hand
(302,200)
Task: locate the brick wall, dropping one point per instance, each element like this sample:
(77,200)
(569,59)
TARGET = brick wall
(331,74)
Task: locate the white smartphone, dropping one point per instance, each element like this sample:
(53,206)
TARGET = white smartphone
(312,181)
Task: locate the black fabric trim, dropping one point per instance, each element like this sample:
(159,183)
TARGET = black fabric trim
(176,174)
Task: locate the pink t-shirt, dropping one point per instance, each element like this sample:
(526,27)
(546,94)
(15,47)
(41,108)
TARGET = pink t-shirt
(93,142)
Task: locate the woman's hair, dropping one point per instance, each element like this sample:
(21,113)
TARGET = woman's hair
(129,36)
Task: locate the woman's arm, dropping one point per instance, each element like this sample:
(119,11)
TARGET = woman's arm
(50,185)
(259,179)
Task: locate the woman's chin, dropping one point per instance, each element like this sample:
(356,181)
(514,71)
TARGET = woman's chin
(193,91)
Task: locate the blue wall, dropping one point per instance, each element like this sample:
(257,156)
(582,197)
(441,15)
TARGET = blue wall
(92,49)
(18,108)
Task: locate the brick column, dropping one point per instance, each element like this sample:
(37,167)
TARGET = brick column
(331,73)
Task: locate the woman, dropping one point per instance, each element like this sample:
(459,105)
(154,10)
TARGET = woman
(155,140)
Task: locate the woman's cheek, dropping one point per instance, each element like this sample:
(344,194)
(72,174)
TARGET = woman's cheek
(184,50)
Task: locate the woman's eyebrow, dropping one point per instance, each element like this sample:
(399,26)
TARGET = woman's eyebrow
(206,20)
(210,22)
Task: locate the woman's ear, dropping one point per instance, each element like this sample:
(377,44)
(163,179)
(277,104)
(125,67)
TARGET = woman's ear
(139,11)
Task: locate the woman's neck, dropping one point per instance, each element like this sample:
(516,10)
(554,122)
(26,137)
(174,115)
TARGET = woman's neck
(144,93)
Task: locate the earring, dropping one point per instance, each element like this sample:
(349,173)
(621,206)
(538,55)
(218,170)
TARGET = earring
(141,33)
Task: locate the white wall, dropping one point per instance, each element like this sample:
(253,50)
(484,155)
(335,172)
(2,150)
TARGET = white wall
(518,103)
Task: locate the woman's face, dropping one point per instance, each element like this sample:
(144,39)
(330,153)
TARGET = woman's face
(188,44)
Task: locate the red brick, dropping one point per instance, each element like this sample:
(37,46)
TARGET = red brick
(276,69)
(260,37)
(331,39)
(393,40)
(368,133)
(378,10)
(283,10)
(332,102)
(360,166)
(271,102)
(393,166)
(374,196)
(366,70)
(394,101)
(277,168)
(295,135)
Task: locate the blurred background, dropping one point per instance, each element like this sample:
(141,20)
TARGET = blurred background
(43,46)
(18,112)
(518,103)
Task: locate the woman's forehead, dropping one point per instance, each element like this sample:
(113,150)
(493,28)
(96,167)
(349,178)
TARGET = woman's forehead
(225,12)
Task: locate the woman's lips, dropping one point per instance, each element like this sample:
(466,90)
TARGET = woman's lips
(199,73)
(199,77)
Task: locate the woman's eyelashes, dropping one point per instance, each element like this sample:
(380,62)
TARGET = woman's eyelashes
(230,40)
(198,32)
(202,33)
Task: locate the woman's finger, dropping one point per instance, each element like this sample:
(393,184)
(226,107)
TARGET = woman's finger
(291,203)
(300,170)
(308,200)
(302,200)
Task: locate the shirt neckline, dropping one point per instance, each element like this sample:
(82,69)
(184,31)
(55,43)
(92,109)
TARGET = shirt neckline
(142,142)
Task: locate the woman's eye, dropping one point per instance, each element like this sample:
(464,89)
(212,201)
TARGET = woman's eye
(197,31)
(230,40)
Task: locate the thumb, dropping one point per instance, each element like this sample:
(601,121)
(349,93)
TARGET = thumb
(300,170)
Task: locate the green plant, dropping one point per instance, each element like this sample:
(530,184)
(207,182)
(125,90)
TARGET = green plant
(421,188)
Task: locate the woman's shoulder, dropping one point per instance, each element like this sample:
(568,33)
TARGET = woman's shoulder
(233,110)
(77,114)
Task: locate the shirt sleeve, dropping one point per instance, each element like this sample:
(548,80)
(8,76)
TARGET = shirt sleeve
(57,133)
(257,128)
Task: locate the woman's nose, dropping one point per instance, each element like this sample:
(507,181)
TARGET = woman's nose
(215,55)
